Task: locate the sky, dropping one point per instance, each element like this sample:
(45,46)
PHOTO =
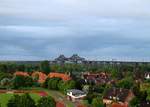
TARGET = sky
(94,29)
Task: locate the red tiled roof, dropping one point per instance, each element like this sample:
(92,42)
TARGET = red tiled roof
(64,77)
(21,73)
(42,76)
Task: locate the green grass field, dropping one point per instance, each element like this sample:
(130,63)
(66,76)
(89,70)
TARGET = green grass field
(5,97)
(55,94)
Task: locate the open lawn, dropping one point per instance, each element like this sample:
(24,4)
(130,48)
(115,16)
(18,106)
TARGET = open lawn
(5,97)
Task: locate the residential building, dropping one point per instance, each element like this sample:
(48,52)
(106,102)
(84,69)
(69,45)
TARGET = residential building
(96,78)
(119,95)
(75,95)
(63,76)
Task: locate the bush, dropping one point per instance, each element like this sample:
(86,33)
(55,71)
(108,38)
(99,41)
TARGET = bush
(97,102)
(5,75)
(21,101)
(46,102)
(66,85)
(22,81)
(90,97)
(53,83)
(125,83)
(45,85)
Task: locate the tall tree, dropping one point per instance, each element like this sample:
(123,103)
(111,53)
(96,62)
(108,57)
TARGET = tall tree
(22,81)
(45,67)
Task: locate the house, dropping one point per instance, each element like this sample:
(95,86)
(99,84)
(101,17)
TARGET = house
(21,73)
(96,78)
(75,95)
(119,95)
(63,76)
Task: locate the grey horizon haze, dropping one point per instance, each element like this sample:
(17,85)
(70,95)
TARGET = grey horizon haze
(95,29)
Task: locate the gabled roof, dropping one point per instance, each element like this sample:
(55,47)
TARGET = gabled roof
(97,77)
(118,93)
(76,91)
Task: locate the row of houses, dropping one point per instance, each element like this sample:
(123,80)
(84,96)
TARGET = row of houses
(42,76)
(113,97)
(118,95)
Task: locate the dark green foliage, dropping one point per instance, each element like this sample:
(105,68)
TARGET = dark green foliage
(79,83)
(46,102)
(53,83)
(99,88)
(97,102)
(14,101)
(45,67)
(5,75)
(3,68)
(70,84)
(90,97)
(58,84)
(21,101)
(136,90)
(125,83)
(45,85)
(26,101)
(117,75)
(21,67)
(135,102)
(142,95)
(22,81)
(63,86)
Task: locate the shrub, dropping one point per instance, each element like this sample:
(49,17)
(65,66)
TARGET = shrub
(46,102)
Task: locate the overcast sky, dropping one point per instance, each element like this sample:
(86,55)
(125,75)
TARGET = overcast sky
(95,29)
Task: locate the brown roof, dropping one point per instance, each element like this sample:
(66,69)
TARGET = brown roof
(118,94)
(97,77)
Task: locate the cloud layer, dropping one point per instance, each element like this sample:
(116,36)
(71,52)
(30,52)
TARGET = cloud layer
(97,29)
